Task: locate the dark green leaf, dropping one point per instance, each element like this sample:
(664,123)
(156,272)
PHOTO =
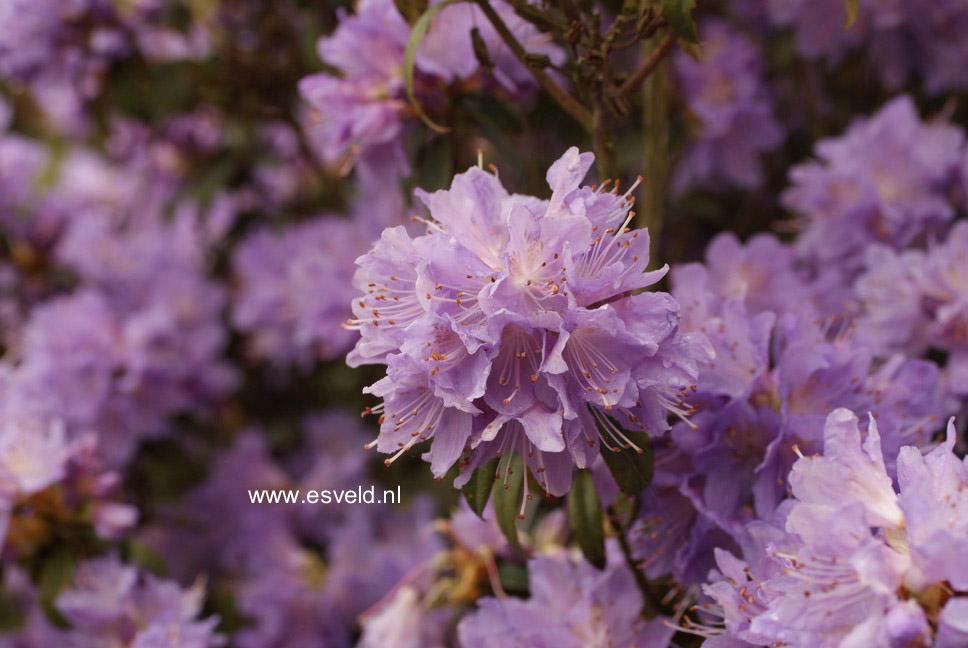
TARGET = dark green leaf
(514,578)
(507,499)
(585,518)
(538,17)
(411,9)
(55,573)
(490,112)
(12,612)
(436,164)
(480,49)
(678,14)
(539,61)
(410,57)
(850,7)
(139,553)
(222,602)
(631,468)
(478,489)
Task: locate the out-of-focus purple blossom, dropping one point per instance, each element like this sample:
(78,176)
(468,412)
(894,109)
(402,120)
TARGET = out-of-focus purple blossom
(902,39)
(447,51)
(859,563)
(62,50)
(218,528)
(295,600)
(818,26)
(110,603)
(77,36)
(591,608)
(404,623)
(889,179)
(726,94)
(508,328)
(364,112)
(140,340)
(937,28)
(280,297)
(278,300)
(37,454)
(918,299)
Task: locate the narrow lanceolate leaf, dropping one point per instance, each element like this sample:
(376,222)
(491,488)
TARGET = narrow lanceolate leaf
(678,13)
(514,578)
(507,498)
(480,49)
(410,57)
(631,466)
(411,10)
(851,8)
(478,489)
(55,574)
(585,518)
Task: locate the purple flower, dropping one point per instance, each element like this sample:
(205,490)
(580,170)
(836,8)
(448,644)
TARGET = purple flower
(294,599)
(860,563)
(591,608)
(364,112)
(779,369)
(915,300)
(279,300)
(217,528)
(818,26)
(902,39)
(936,28)
(34,450)
(509,327)
(404,623)
(110,603)
(447,51)
(726,95)
(887,180)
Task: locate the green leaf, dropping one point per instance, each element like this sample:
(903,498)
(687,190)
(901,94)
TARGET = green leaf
(480,49)
(139,553)
(491,113)
(678,14)
(478,489)
(513,577)
(585,517)
(13,612)
(411,9)
(55,573)
(850,7)
(507,499)
(410,57)
(436,164)
(631,468)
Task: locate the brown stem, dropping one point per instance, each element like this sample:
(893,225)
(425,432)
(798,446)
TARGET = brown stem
(649,608)
(603,144)
(651,203)
(568,103)
(648,65)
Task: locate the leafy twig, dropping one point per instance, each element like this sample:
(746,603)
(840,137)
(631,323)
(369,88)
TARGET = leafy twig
(648,65)
(568,103)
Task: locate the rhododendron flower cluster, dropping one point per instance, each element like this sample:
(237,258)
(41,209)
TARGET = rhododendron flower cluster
(657,314)
(514,325)
(857,560)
